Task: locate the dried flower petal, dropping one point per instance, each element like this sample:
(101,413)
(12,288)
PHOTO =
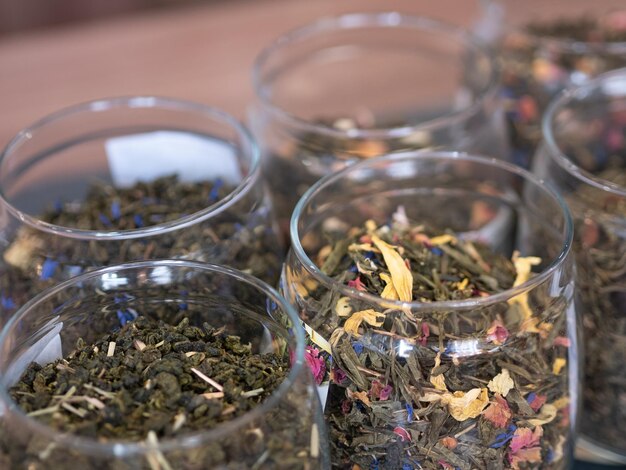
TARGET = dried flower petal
(468,405)
(389,292)
(501,383)
(562,341)
(547,415)
(558,365)
(523,268)
(403,433)
(442,240)
(400,274)
(316,363)
(369,316)
(438,380)
(361,396)
(524,438)
(449,442)
(498,413)
(497,332)
(342,307)
(357,284)
(531,455)
(536,401)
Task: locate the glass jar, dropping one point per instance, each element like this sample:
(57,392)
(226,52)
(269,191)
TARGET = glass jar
(584,157)
(285,430)
(420,380)
(130,179)
(548,46)
(359,85)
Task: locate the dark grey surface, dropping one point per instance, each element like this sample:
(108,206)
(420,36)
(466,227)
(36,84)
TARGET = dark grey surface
(579,465)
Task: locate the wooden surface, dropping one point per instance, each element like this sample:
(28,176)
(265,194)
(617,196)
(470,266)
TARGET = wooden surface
(201,53)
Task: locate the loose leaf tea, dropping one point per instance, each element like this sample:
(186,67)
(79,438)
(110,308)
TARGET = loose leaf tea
(239,237)
(600,251)
(538,66)
(149,376)
(485,386)
(150,381)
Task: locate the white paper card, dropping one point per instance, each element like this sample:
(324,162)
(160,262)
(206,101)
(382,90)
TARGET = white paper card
(144,157)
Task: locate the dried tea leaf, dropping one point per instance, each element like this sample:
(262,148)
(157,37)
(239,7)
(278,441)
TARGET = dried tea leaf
(401,275)
(501,383)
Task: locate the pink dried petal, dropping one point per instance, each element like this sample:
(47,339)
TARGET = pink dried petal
(316,363)
(537,402)
(498,413)
(497,332)
(403,433)
(524,438)
(385,393)
(562,341)
(357,284)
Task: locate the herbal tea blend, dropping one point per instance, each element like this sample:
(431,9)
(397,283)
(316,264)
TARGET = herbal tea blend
(546,58)
(465,387)
(35,259)
(601,258)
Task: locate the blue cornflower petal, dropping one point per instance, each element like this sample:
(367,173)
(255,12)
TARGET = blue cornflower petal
(358,347)
(531,397)
(436,251)
(116,211)
(104,219)
(503,438)
(214,194)
(369,255)
(7,302)
(138,220)
(409,413)
(353,269)
(48,268)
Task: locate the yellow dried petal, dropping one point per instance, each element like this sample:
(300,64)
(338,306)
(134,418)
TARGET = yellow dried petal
(468,405)
(317,339)
(370,226)
(546,415)
(558,365)
(360,247)
(342,307)
(501,383)
(438,380)
(359,396)
(370,316)
(400,275)
(523,268)
(561,403)
(442,240)
(389,292)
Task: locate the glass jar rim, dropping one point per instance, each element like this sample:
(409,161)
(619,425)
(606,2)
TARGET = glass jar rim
(131,102)
(387,19)
(125,449)
(554,151)
(426,307)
